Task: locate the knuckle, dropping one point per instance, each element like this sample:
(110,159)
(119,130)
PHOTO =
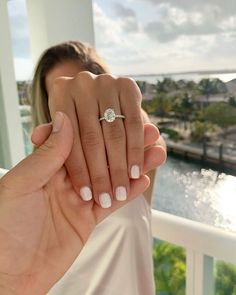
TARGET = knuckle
(99,180)
(105,79)
(137,151)
(82,82)
(77,172)
(90,139)
(47,148)
(120,173)
(115,133)
(135,120)
(59,84)
(57,92)
(84,76)
(127,81)
(131,86)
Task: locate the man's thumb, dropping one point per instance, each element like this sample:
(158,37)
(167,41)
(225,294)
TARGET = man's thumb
(37,169)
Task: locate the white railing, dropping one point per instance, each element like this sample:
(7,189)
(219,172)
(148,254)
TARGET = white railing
(202,242)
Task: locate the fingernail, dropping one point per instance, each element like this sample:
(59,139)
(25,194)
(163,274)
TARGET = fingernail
(121,194)
(105,200)
(135,172)
(57,122)
(86,194)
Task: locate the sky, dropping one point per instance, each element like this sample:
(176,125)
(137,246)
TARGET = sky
(148,36)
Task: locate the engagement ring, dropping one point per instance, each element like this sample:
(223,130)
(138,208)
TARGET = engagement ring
(110,116)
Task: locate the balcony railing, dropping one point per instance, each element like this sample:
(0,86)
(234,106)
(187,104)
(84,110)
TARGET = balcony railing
(202,242)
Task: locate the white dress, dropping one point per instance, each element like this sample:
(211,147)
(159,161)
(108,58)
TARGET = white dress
(117,258)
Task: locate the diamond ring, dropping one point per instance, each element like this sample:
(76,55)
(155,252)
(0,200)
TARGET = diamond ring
(110,116)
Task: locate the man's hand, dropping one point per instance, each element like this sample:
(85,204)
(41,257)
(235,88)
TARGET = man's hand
(44,224)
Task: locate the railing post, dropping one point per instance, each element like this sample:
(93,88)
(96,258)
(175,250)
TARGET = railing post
(199,274)
(190,268)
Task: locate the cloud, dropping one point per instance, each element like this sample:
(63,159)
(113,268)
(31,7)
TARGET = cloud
(115,45)
(170,38)
(107,31)
(144,36)
(128,17)
(174,22)
(226,7)
(123,11)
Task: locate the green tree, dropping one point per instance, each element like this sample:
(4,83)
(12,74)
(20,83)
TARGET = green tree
(200,129)
(211,86)
(183,107)
(150,106)
(221,113)
(225,278)
(232,101)
(169,268)
(166,85)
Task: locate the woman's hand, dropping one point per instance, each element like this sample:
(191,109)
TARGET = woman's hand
(105,155)
(43,222)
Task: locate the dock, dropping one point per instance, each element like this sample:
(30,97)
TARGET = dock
(208,153)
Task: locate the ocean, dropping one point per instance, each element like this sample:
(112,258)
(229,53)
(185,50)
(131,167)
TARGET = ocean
(152,78)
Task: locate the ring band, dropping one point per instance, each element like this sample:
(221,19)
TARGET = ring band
(110,116)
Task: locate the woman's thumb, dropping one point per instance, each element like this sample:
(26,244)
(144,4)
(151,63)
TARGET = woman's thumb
(37,169)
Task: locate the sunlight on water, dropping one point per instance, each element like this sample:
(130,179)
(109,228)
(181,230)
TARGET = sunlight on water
(204,195)
(226,204)
(224,77)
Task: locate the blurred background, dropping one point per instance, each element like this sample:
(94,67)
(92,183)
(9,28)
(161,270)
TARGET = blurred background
(182,55)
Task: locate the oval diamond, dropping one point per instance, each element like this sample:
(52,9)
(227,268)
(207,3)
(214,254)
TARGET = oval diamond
(109,115)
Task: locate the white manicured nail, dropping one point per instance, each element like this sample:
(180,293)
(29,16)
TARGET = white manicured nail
(135,172)
(121,194)
(86,193)
(105,200)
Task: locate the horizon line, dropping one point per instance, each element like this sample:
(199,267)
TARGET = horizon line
(199,72)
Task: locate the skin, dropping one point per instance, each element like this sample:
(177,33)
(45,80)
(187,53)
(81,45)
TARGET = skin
(40,204)
(118,144)
(44,224)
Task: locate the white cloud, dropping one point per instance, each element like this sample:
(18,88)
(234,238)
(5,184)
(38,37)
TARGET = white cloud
(214,7)
(150,36)
(173,39)
(107,30)
(174,22)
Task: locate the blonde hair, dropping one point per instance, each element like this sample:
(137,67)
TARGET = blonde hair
(85,55)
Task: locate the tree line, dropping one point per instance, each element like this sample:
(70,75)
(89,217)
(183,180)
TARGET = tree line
(191,103)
